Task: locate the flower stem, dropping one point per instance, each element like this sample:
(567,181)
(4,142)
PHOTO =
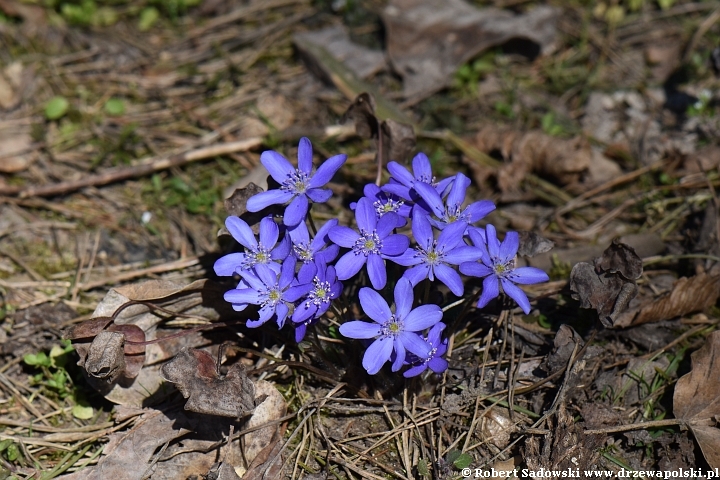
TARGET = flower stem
(380,160)
(311,222)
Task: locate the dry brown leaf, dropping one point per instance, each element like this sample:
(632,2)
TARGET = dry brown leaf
(696,400)
(124,379)
(688,295)
(194,373)
(562,160)
(272,408)
(188,441)
(567,341)
(532,244)
(362,112)
(605,286)
(363,61)
(428,40)
(398,139)
(497,427)
(620,258)
(128,454)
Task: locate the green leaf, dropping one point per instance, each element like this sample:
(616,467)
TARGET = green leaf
(13,452)
(56,108)
(422,467)
(452,455)
(148,17)
(462,461)
(115,106)
(82,412)
(37,359)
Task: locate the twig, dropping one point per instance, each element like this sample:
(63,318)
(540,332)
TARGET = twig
(669,422)
(123,173)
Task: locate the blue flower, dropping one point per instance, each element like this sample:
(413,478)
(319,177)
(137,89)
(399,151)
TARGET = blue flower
(434,359)
(386,203)
(498,267)
(264,252)
(297,185)
(370,246)
(452,210)
(392,332)
(274,293)
(308,251)
(325,288)
(402,182)
(432,257)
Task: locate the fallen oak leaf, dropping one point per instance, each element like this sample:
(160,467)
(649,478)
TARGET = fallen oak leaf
(688,295)
(194,373)
(696,400)
(565,160)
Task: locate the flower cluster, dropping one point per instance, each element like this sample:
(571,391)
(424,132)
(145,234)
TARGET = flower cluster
(291,275)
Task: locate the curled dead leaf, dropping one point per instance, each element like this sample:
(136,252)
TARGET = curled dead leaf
(696,399)
(567,341)
(620,258)
(194,373)
(124,371)
(362,113)
(609,286)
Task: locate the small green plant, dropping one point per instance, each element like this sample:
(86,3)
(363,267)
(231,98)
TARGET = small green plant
(615,12)
(102,13)
(56,108)
(115,106)
(199,197)
(469,74)
(56,380)
(458,459)
(551,125)
(559,270)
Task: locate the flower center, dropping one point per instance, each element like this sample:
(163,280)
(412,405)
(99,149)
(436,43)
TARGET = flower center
(368,243)
(303,252)
(392,327)
(455,213)
(320,294)
(272,296)
(387,204)
(297,182)
(261,255)
(503,268)
(431,256)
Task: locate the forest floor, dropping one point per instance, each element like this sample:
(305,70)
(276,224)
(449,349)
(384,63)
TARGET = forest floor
(125,126)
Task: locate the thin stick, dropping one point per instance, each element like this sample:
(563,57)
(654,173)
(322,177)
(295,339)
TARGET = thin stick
(122,173)
(669,422)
